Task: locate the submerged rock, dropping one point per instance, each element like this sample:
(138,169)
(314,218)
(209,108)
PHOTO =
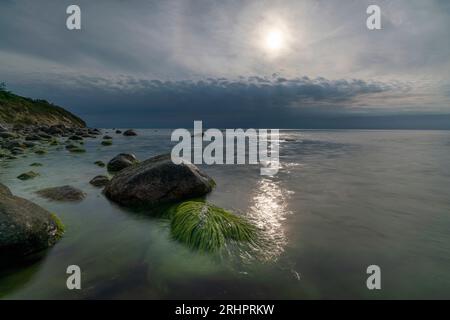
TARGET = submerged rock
(99,181)
(25,227)
(40,152)
(130,133)
(75,138)
(36,164)
(157,181)
(106,142)
(28,175)
(63,193)
(122,161)
(77,149)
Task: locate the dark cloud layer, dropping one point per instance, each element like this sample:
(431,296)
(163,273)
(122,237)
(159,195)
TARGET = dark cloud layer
(246,102)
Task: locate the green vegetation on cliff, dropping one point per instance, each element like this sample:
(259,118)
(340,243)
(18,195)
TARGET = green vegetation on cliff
(15,109)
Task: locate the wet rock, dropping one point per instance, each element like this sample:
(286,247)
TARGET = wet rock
(7,135)
(17,151)
(63,193)
(107,143)
(157,181)
(100,163)
(25,227)
(94,131)
(55,130)
(121,161)
(4,190)
(45,136)
(77,150)
(40,152)
(106,137)
(71,146)
(118,131)
(33,137)
(3,128)
(11,144)
(99,181)
(28,175)
(36,164)
(75,138)
(29,144)
(130,133)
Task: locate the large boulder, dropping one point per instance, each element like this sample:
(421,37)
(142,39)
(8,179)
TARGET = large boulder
(25,227)
(157,181)
(121,161)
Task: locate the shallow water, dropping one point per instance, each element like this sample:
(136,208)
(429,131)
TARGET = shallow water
(342,201)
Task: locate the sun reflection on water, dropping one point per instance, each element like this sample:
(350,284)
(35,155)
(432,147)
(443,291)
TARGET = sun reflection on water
(268,211)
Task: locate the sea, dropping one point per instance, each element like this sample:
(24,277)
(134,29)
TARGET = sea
(343,200)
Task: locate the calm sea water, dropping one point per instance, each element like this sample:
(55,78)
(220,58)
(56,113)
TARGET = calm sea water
(342,201)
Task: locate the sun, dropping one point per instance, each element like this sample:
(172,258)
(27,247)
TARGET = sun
(274,40)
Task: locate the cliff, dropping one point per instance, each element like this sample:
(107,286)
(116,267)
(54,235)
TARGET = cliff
(16,110)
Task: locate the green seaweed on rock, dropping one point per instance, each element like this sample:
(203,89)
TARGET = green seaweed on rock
(205,227)
(59,225)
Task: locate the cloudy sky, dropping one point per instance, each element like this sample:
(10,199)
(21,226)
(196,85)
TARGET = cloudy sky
(246,63)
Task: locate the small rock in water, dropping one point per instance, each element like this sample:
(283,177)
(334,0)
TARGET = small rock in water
(106,142)
(7,135)
(36,164)
(130,133)
(63,193)
(76,149)
(121,161)
(75,138)
(16,151)
(29,144)
(40,152)
(33,137)
(71,146)
(107,137)
(100,163)
(118,131)
(99,181)
(28,175)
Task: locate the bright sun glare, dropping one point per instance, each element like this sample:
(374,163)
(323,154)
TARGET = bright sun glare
(274,40)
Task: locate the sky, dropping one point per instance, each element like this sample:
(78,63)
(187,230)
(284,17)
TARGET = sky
(234,63)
